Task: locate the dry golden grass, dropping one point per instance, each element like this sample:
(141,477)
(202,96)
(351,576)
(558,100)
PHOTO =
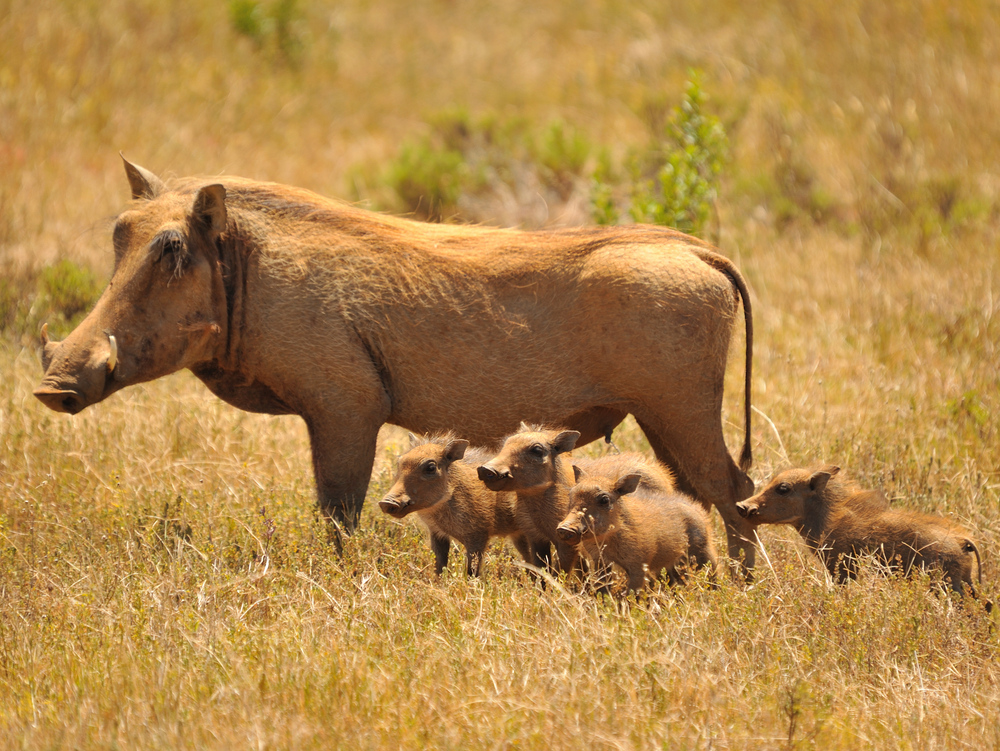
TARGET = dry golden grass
(163,580)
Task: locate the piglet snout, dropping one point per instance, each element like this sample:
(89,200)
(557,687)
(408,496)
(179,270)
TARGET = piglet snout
(569,534)
(393,506)
(493,478)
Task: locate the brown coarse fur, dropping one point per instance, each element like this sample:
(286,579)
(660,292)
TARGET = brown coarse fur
(437,481)
(840,522)
(641,530)
(285,302)
(534,462)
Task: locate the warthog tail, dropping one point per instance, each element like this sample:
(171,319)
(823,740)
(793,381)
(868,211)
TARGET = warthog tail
(723,264)
(970,547)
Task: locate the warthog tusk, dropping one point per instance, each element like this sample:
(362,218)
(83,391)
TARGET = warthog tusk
(45,334)
(113,357)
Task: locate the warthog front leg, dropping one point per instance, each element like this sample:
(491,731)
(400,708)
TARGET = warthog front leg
(343,456)
(523,546)
(441,545)
(740,538)
(697,453)
(568,556)
(474,551)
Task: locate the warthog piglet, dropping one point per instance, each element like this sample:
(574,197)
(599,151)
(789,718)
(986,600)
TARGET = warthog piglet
(640,530)
(535,464)
(840,521)
(437,480)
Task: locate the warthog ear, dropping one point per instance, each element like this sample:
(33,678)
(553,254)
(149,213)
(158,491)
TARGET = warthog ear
(565,441)
(455,450)
(144,183)
(819,478)
(413,440)
(210,208)
(578,474)
(628,484)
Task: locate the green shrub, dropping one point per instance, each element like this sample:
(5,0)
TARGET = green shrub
(428,179)
(247,19)
(11,297)
(602,194)
(674,181)
(68,290)
(561,153)
(462,156)
(59,295)
(274,27)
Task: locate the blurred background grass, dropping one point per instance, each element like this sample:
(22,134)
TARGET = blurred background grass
(162,578)
(855,117)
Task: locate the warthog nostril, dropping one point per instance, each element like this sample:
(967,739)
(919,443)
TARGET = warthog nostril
(567,534)
(745,512)
(392,506)
(60,400)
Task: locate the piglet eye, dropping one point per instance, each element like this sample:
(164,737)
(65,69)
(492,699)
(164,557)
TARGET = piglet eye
(430,468)
(537,450)
(783,489)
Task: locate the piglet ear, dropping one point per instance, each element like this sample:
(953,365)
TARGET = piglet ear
(144,183)
(565,441)
(819,478)
(628,484)
(455,450)
(578,474)
(210,209)
(414,441)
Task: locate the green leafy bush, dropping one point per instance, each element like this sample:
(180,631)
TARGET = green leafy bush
(461,156)
(67,289)
(60,295)
(674,181)
(602,194)
(275,26)
(561,152)
(247,19)
(11,295)
(428,179)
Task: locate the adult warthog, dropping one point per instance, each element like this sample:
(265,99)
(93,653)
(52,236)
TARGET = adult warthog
(285,302)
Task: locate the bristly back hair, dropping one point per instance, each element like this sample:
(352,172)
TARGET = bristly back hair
(526,427)
(844,491)
(423,439)
(474,455)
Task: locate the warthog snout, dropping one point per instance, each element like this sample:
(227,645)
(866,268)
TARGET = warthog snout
(495,479)
(747,510)
(394,506)
(79,371)
(569,534)
(61,400)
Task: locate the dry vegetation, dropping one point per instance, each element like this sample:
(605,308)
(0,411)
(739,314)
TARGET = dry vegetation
(163,580)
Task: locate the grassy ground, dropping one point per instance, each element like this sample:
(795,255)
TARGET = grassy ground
(163,580)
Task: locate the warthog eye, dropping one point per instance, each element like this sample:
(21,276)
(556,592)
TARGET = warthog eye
(783,489)
(538,451)
(430,468)
(169,247)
